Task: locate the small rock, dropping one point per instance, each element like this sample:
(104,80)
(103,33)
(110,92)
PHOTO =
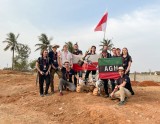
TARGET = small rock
(128,121)
(136,113)
(60,108)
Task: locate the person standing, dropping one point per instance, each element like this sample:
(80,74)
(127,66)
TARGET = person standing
(77,52)
(105,47)
(127,60)
(118,52)
(43,65)
(113,56)
(123,89)
(53,55)
(66,55)
(67,79)
(92,52)
(105,54)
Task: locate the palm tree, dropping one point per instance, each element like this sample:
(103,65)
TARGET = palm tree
(45,42)
(12,44)
(106,42)
(70,46)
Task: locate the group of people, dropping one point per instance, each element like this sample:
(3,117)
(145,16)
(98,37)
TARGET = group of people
(61,63)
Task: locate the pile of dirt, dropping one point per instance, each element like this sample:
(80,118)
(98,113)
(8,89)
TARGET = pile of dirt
(14,72)
(134,83)
(148,83)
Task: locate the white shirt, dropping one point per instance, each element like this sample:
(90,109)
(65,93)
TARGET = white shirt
(66,56)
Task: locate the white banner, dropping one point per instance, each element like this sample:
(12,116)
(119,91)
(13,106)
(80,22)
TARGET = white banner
(88,58)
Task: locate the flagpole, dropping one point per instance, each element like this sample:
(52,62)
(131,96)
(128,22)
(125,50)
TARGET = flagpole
(104,35)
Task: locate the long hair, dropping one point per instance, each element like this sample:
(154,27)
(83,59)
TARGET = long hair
(91,49)
(127,51)
(43,52)
(64,46)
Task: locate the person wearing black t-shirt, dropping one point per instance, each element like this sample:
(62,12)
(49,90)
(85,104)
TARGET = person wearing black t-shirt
(127,60)
(123,89)
(118,52)
(43,66)
(114,54)
(53,55)
(67,79)
(105,54)
(77,52)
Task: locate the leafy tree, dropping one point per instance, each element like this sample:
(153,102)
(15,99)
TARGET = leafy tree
(45,42)
(106,42)
(12,44)
(21,60)
(32,64)
(70,46)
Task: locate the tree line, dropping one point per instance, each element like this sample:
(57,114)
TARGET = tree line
(21,52)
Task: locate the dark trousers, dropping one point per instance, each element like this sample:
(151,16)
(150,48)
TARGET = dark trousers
(112,83)
(128,73)
(88,71)
(105,86)
(41,83)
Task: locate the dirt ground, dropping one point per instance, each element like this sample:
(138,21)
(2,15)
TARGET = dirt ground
(20,103)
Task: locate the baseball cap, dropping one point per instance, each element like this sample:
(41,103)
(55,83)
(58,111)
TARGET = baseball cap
(54,45)
(120,68)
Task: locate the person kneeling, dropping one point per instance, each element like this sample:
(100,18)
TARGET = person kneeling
(67,79)
(123,89)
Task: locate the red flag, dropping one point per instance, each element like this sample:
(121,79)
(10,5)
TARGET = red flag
(91,64)
(102,23)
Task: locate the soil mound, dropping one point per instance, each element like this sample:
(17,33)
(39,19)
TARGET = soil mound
(148,83)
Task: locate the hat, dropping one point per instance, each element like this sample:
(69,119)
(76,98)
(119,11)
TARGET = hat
(120,68)
(104,51)
(66,61)
(54,45)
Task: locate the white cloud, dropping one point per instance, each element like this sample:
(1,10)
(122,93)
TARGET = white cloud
(138,31)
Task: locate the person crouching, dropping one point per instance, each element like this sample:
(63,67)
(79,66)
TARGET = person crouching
(123,89)
(67,79)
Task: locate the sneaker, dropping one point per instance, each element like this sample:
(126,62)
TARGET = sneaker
(85,81)
(125,99)
(42,95)
(121,103)
(52,92)
(61,94)
(46,94)
(106,96)
(67,89)
(94,80)
(113,98)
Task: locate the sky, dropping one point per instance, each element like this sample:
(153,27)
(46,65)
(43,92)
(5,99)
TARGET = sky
(134,24)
